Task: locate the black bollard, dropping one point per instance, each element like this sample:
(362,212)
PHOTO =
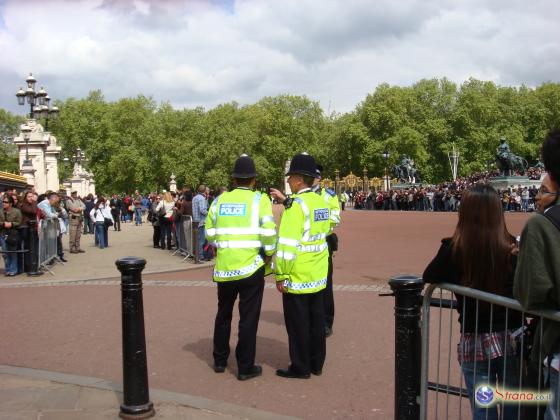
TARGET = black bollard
(407,290)
(136,396)
(33,249)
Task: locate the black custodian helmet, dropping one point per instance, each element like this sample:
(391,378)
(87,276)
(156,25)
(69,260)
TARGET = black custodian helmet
(244,167)
(303,164)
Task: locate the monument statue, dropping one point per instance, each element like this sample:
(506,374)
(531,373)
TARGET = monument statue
(406,170)
(539,165)
(507,161)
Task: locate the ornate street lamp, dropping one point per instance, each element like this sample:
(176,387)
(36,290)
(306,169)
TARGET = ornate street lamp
(38,101)
(386,157)
(26,132)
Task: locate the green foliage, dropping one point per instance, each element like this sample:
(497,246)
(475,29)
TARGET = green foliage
(135,143)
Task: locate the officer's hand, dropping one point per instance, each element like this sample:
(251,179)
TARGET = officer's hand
(267,259)
(280,286)
(277,195)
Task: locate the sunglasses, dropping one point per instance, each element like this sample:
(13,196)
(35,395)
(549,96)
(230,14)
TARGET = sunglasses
(7,202)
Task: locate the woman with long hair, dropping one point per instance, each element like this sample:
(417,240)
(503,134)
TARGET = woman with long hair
(165,211)
(481,255)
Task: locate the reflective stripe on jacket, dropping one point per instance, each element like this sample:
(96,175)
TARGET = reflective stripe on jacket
(302,255)
(240,224)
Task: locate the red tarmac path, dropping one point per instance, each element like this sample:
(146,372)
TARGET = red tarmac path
(76,329)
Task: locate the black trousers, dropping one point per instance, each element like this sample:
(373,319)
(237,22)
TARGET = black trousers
(250,291)
(328,297)
(304,316)
(117,219)
(156,235)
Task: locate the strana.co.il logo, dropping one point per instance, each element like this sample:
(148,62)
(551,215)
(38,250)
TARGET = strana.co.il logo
(487,395)
(484,395)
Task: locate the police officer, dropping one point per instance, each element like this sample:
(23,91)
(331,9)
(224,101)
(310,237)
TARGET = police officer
(240,224)
(332,241)
(302,269)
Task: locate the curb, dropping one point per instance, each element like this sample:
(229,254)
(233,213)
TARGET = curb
(156,395)
(88,279)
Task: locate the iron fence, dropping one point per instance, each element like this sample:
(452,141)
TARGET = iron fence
(48,232)
(184,237)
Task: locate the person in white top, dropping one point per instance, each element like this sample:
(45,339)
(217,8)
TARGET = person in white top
(165,211)
(102,218)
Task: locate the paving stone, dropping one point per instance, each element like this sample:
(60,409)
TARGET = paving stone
(64,398)
(19,399)
(19,415)
(95,399)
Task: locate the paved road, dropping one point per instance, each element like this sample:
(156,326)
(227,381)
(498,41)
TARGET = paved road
(76,329)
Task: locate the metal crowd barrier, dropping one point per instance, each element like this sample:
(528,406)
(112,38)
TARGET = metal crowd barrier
(427,336)
(48,232)
(184,231)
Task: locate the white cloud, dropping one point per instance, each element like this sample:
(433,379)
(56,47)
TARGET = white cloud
(204,53)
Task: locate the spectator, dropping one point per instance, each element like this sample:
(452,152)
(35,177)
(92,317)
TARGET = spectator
(200,210)
(537,280)
(10,220)
(101,215)
(137,203)
(165,210)
(480,256)
(88,224)
(116,206)
(28,208)
(153,216)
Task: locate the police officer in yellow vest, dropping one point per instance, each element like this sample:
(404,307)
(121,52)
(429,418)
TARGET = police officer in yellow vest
(302,269)
(240,224)
(332,241)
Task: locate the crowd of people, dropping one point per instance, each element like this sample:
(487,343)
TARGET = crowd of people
(445,197)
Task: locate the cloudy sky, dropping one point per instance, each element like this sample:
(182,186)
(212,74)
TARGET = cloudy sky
(202,53)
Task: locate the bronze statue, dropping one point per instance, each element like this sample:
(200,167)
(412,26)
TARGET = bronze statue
(507,161)
(406,171)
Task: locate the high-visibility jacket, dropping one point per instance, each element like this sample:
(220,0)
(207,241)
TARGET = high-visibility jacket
(332,201)
(240,224)
(302,254)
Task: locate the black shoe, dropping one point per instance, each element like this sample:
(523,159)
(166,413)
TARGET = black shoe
(328,331)
(219,368)
(317,372)
(287,373)
(255,371)
(63,259)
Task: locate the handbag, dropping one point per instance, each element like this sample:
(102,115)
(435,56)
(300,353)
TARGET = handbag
(108,222)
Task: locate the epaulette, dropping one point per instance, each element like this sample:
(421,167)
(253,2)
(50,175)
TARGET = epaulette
(330,192)
(288,202)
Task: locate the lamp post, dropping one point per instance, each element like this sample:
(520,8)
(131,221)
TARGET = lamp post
(26,132)
(38,101)
(46,111)
(386,157)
